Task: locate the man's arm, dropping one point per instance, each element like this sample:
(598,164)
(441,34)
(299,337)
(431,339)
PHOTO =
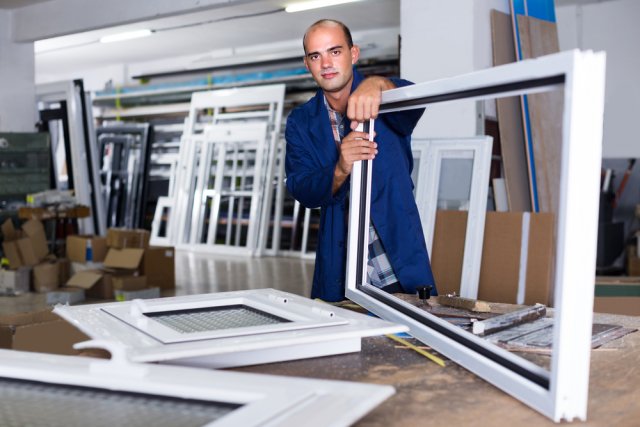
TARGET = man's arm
(364,102)
(355,146)
(308,181)
(363,105)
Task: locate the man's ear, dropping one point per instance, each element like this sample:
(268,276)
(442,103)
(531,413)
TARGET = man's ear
(355,54)
(305,63)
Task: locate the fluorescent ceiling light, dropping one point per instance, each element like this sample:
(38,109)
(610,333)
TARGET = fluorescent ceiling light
(129,35)
(299,7)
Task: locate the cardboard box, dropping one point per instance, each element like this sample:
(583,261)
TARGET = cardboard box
(12,253)
(15,281)
(129,283)
(121,238)
(159,267)
(8,230)
(35,232)
(96,283)
(10,246)
(25,248)
(103,289)
(28,253)
(448,250)
(40,331)
(64,270)
(508,240)
(503,248)
(617,295)
(84,279)
(77,246)
(126,259)
(46,276)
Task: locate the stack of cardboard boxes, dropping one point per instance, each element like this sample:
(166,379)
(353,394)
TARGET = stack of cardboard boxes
(28,255)
(120,265)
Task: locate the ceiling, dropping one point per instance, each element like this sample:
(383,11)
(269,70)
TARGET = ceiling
(256,26)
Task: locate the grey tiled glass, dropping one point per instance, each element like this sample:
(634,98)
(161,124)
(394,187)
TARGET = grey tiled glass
(215,319)
(25,403)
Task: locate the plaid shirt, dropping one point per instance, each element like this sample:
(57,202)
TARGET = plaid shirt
(379,270)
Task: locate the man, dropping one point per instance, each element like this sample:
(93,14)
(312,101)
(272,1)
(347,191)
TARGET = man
(321,149)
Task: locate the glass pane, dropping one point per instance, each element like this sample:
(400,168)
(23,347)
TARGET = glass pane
(25,403)
(215,318)
(455,184)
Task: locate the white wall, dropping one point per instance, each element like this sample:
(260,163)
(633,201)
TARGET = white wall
(612,26)
(443,39)
(17,74)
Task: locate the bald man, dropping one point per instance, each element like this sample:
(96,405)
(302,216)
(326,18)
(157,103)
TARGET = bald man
(322,146)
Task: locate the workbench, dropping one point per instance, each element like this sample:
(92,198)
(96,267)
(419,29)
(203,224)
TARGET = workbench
(428,395)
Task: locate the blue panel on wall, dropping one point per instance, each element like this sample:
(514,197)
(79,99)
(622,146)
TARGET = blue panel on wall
(541,9)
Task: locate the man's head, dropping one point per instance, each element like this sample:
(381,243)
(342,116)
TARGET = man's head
(330,54)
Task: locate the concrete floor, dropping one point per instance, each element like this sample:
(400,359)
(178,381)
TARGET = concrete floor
(199,273)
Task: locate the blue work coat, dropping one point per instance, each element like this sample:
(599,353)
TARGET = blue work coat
(311,157)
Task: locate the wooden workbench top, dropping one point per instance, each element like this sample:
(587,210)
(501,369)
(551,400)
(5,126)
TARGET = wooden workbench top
(428,395)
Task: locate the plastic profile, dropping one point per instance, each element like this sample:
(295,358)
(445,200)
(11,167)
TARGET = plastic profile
(308,329)
(84,156)
(232,146)
(432,153)
(560,393)
(256,400)
(259,103)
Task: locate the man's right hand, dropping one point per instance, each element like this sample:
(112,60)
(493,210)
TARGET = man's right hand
(355,146)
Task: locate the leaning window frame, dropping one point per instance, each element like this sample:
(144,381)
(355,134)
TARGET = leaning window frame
(432,154)
(562,392)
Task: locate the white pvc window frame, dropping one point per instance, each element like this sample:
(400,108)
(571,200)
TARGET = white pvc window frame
(295,317)
(83,153)
(432,154)
(317,329)
(265,400)
(220,145)
(560,393)
(258,103)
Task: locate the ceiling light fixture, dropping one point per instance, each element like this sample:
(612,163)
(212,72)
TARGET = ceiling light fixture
(315,4)
(129,35)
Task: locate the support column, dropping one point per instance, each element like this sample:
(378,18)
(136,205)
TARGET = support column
(17,81)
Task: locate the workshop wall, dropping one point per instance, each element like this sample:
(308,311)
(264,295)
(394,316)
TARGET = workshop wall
(17,90)
(611,26)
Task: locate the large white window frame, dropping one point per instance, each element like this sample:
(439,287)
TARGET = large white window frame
(265,400)
(432,154)
(560,393)
(312,329)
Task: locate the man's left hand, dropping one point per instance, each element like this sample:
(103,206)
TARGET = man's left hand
(364,102)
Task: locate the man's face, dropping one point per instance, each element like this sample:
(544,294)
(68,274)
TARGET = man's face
(328,57)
